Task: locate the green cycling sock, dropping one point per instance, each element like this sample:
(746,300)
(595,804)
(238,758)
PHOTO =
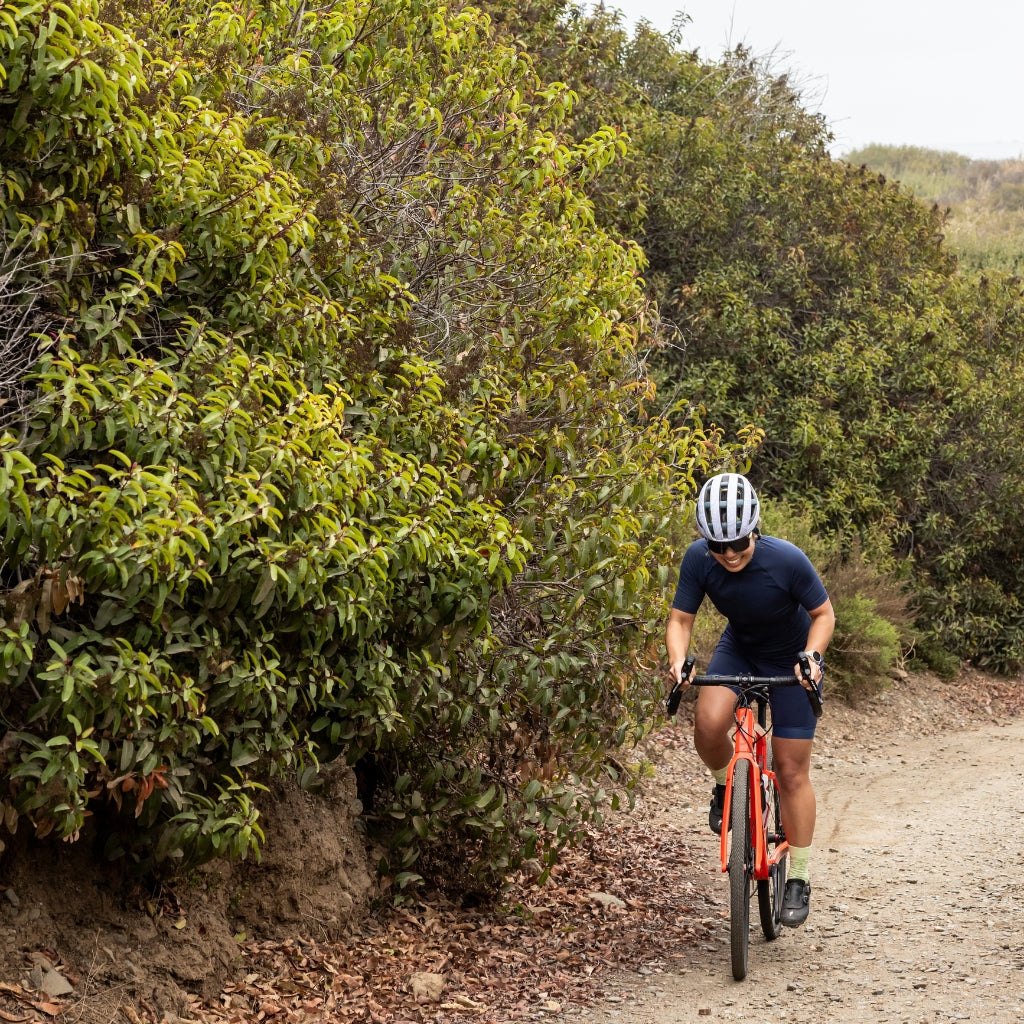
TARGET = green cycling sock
(799,856)
(721,775)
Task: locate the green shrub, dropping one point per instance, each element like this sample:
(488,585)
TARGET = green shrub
(345,449)
(874,618)
(974,620)
(930,654)
(864,648)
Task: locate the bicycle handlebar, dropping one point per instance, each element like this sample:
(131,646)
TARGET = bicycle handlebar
(745,682)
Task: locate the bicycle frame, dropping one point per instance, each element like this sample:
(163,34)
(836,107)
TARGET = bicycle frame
(750,753)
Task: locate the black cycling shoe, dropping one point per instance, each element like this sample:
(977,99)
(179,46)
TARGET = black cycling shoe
(796,902)
(717,806)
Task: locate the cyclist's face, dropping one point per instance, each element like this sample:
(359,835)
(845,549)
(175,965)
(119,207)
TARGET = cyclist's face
(733,561)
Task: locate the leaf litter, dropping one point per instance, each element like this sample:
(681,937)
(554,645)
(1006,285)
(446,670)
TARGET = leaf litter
(541,948)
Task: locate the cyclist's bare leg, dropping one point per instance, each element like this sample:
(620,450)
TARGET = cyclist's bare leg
(713,719)
(793,775)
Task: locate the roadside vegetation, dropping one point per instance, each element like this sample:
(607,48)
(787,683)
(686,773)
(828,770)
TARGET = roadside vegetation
(369,357)
(983,200)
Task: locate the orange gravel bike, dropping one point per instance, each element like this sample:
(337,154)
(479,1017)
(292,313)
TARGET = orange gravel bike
(754,848)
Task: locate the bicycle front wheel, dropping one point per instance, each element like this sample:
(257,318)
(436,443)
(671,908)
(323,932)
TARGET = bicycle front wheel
(741,870)
(770,890)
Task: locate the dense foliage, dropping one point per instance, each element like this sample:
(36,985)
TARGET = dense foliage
(342,329)
(840,323)
(342,447)
(820,302)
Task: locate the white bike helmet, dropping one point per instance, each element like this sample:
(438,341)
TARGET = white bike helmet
(727,508)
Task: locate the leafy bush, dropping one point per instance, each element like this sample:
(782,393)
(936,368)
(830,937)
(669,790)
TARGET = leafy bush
(864,649)
(819,302)
(345,449)
(976,621)
(945,664)
(348,446)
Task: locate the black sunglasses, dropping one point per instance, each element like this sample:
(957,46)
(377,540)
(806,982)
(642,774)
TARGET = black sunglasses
(719,547)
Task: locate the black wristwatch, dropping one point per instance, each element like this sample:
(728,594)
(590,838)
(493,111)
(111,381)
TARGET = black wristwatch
(816,655)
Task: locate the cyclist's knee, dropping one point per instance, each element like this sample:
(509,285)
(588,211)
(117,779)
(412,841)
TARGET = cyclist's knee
(792,765)
(710,729)
(714,709)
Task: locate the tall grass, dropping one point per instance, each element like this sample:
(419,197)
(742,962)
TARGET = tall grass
(984,199)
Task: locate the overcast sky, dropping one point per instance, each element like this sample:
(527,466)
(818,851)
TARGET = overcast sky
(946,74)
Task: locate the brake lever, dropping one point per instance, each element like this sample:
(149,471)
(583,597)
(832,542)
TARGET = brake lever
(675,695)
(804,660)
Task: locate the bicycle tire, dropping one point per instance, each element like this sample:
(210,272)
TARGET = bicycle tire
(770,890)
(740,871)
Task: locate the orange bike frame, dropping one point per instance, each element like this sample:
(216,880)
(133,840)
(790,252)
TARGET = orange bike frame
(750,749)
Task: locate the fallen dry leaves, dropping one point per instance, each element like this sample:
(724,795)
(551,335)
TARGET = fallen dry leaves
(540,949)
(975,694)
(19,1002)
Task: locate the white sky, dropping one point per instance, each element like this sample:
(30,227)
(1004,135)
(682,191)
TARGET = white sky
(943,74)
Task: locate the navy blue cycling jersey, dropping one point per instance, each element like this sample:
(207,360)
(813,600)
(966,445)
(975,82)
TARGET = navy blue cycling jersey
(766,602)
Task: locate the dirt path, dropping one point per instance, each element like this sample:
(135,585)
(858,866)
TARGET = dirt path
(917,905)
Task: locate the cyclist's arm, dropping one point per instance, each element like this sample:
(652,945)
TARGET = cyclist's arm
(823,624)
(677,640)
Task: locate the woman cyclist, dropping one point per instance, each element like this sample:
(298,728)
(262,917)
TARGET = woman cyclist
(776,607)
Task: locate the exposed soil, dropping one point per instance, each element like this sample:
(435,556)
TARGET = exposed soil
(130,954)
(914,909)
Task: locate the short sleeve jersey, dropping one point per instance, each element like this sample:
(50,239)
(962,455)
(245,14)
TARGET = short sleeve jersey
(766,602)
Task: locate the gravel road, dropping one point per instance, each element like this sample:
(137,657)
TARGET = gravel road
(917,910)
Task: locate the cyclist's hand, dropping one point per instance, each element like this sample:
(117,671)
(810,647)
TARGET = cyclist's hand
(808,671)
(683,671)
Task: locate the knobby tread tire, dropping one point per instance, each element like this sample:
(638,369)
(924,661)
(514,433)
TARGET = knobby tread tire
(740,864)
